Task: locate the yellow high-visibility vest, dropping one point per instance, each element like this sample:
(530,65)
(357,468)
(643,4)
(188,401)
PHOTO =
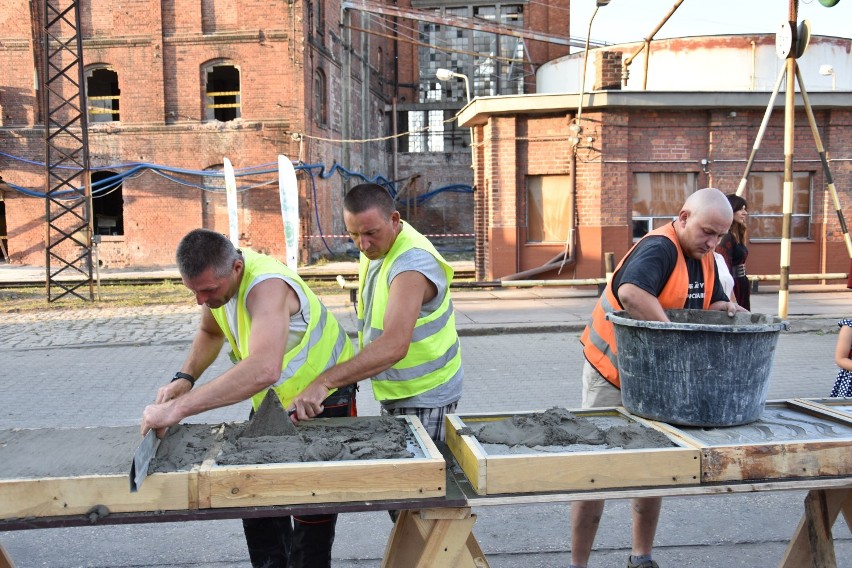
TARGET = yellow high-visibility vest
(324,344)
(434,356)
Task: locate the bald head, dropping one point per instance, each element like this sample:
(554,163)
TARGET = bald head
(709,200)
(706,215)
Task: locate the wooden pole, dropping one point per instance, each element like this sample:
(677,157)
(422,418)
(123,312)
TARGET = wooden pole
(787,198)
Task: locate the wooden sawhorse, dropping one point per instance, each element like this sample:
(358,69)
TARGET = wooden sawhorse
(5,561)
(812,543)
(434,538)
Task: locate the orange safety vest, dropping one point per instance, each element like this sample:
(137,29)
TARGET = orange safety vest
(598,338)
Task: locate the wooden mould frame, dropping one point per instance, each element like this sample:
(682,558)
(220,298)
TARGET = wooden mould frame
(208,485)
(818,457)
(326,482)
(491,474)
(840,407)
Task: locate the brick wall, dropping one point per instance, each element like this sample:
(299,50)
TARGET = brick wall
(159,50)
(625,142)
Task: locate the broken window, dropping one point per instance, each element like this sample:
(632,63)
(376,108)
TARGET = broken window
(497,68)
(107,203)
(320,107)
(222,82)
(442,134)
(102,95)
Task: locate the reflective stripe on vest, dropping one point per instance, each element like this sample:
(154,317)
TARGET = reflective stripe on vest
(324,344)
(434,355)
(598,337)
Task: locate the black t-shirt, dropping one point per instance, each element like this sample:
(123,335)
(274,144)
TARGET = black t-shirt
(651,264)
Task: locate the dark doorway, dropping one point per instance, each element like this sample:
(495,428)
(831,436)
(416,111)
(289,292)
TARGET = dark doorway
(107,203)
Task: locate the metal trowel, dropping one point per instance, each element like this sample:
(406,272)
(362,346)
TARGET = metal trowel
(142,459)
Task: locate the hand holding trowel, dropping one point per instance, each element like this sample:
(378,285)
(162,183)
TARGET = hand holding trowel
(152,416)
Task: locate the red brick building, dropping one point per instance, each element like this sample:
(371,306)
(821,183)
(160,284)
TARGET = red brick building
(175,86)
(642,151)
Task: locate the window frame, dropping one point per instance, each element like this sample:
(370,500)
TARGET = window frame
(210,98)
(754,215)
(653,221)
(94,110)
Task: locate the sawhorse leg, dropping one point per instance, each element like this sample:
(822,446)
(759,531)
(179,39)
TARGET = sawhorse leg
(812,544)
(434,538)
(5,560)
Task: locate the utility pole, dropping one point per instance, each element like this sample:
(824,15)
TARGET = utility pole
(68,195)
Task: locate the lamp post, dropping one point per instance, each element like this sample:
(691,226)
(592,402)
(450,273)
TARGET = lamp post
(447,75)
(828,70)
(575,128)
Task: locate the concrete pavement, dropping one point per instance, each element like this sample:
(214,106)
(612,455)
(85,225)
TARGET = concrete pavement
(94,367)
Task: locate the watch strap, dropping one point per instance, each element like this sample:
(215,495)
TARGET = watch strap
(187,376)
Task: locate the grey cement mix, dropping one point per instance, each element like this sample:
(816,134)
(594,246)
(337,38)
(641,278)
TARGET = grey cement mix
(265,439)
(44,452)
(558,429)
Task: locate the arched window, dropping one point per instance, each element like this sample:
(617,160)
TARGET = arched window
(222,92)
(102,95)
(107,203)
(320,107)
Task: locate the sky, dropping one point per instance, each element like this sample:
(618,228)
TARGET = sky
(632,20)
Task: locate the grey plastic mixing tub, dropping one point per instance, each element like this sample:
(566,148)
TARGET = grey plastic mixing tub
(703,368)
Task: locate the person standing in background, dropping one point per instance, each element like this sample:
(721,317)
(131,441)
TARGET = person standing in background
(843,358)
(733,248)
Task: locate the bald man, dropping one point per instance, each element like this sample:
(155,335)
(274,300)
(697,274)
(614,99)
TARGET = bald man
(669,268)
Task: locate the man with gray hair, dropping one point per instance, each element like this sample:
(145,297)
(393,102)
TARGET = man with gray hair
(669,268)
(281,336)
(409,345)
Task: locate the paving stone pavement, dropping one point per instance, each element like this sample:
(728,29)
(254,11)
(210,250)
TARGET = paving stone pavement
(100,367)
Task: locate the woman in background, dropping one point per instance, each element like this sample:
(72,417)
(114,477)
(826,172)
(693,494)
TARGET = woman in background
(733,248)
(843,358)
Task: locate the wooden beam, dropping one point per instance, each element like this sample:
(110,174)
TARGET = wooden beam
(821,509)
(432,539)
(5,559)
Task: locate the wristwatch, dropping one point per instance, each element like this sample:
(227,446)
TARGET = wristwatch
(186,376)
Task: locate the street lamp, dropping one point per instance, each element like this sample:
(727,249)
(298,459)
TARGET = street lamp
(447,75)
(829,70)
(575,128)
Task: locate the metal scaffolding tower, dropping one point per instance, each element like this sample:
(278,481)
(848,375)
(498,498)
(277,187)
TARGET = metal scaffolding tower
(68,195)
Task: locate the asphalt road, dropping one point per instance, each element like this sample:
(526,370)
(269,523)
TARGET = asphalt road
(46,384)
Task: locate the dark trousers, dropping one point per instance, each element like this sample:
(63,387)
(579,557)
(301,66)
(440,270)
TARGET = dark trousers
(304,541)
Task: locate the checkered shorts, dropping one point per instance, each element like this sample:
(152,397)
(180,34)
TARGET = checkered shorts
(431,418)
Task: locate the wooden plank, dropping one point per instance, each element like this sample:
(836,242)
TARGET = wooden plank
(58,496)
(839,408)
(819,530)
(798,551)
(776,461)
(592,470)
(467,452)
(5,559)
(428,542)
(323,482)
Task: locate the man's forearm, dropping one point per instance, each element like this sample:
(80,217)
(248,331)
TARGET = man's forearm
(239,383)
(203,351)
